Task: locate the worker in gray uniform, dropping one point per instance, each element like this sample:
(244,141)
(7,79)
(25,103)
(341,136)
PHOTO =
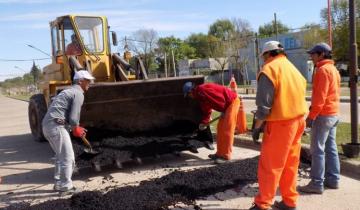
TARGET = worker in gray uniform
(62,116)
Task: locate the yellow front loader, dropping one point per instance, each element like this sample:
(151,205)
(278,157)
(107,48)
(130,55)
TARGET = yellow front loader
(123,100)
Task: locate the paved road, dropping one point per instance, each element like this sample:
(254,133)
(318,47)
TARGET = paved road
(344,109)
(26,168)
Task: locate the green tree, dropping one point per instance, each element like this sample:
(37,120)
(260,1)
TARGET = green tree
(219,51)
(28,79)
(222,29)
(181,49)
(312,34)
(340,27)
(199,42)
(35,73)
(169,45)
(268,29)
(243,35)
(144,44)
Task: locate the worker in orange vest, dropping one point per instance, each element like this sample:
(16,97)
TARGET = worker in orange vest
(241,117)
(213,96)
(280,101)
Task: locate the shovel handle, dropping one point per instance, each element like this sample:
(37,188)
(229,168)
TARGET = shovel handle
(86,142)
(209,123)
(213,120)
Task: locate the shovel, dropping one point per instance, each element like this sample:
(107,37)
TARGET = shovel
(209,123)
(89,148)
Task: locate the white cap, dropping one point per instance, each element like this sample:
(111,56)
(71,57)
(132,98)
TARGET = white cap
(271,45)
(83,74)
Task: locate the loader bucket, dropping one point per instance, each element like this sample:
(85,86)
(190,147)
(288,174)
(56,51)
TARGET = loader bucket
(154,106)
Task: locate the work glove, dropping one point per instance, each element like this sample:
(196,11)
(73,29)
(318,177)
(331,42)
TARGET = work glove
(79,131)
(256,134)
(222,114)
(202,126)
(309,122)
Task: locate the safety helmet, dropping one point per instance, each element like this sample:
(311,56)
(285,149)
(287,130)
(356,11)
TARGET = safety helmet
(320,48)
(83,74)
(271,45)
(188,86)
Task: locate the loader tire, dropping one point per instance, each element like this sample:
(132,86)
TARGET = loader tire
(36,111)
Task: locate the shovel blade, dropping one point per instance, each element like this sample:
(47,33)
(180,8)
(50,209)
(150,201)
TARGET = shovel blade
(91,151)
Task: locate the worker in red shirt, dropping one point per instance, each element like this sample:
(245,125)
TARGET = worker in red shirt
(222,99)
(322,119)
(280,101)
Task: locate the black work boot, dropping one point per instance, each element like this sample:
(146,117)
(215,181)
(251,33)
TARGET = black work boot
(213,156)
(255,207)
(282,206)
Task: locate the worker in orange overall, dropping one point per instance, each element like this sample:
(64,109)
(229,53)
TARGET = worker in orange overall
(241,117)
(280,101)
(213,96)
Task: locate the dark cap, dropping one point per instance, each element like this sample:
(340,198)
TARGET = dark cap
(320,48)
(187,88)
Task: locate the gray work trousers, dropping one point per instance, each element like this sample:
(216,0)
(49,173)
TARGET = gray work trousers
(60,142)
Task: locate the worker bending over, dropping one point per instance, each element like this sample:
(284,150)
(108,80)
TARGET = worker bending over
(322,120)
(280,101)
(222,99)
(64,113)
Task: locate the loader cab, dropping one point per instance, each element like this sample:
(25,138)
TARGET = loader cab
(85,38)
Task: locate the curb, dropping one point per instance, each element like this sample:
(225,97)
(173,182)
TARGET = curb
(349,167)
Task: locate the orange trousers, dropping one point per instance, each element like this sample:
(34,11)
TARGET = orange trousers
(279,161)
(225,130)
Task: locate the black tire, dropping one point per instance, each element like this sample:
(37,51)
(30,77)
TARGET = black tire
(36,111)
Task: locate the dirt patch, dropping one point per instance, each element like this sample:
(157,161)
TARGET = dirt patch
(159,193)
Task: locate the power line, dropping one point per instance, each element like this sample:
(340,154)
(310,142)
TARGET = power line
(34,59)
(11,75)
(29,45)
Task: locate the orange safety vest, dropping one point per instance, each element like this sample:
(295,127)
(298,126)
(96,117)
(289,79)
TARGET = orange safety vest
(289,89)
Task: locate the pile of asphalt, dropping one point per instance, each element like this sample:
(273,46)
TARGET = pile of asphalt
(128,148)
(160,193)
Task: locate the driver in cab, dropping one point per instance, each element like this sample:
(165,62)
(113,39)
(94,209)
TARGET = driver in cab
(74,47)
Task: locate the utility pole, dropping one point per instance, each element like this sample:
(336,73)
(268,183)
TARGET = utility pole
(276,27)
(165,65)
(173,61)
(257,53)
(352,149)
(329,24)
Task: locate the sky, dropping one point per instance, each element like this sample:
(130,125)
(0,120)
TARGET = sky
(26,22)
